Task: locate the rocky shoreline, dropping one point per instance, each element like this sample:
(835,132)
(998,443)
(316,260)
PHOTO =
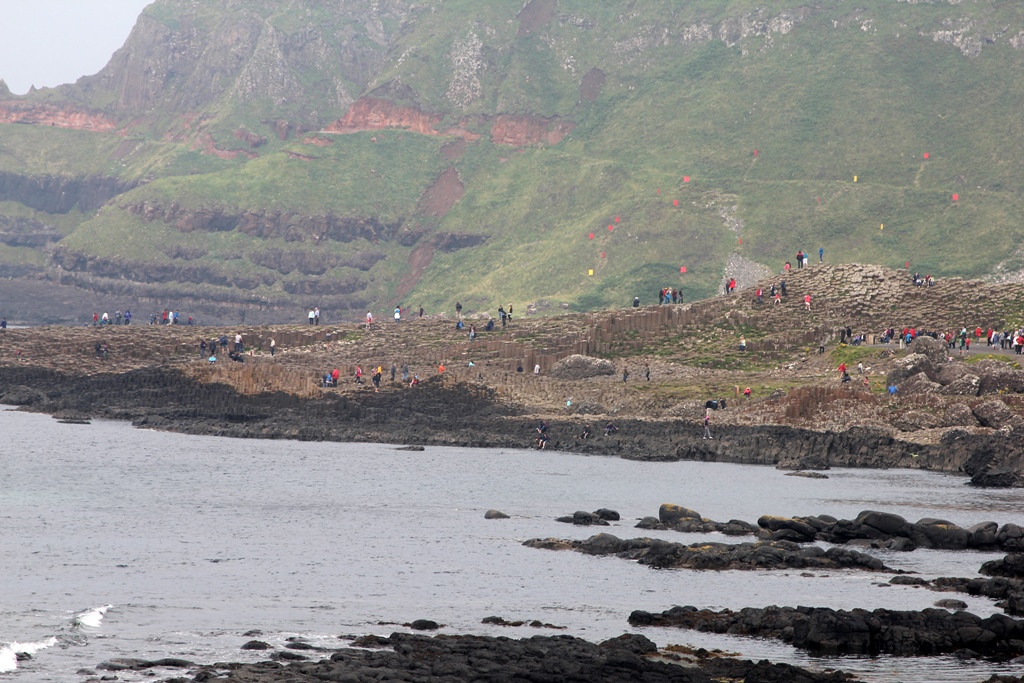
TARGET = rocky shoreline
(449,413)
(414,658)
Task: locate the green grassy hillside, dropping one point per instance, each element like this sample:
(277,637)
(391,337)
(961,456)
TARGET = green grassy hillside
(707,127)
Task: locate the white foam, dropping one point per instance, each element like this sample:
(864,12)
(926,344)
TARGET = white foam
(91,617)
(9,652)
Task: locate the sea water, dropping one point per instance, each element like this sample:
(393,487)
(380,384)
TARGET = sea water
(118,542)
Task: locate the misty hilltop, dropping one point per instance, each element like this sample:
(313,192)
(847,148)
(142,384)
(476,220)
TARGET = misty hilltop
(256,158)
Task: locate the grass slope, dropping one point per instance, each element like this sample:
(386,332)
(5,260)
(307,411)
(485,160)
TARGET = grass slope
(823,93)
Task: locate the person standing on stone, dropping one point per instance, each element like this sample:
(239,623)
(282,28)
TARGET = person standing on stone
(625,373)
(458,310)
(647,371)
(273,347)
(807,301)
(316,315)
(311,316)
(707,424)
(821,254)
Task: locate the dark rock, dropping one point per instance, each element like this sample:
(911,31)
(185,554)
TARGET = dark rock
(662,554)
(495,514)
(984,534)
(650,523)
(886,522)
(965,385)
(934,349)
(670,514)
(918,384)
(992,413)
(22,396)
(608,515)
(1011,565)
(998,478)
(908,366)
(807,475)
(908,581)
(857,632)
(959,415)
(256,645)
(802,529)
(543,659)
(939,533)
(424,625)
(410,448)
(632,642)
(903,545)
(951,603)
(997,376)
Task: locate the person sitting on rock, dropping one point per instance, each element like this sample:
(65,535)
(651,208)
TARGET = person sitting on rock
(490,325)
(415,381)
(585,434)
(610,429)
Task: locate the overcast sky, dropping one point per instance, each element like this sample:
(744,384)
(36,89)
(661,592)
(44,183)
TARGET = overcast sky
(49,42)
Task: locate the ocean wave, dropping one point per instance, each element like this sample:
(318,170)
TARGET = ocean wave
(91,617)
(9,652)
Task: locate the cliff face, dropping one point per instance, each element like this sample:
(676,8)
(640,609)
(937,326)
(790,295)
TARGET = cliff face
(306,57)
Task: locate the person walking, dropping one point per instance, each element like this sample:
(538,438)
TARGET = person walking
(625,373)
(707,424)
(821,254)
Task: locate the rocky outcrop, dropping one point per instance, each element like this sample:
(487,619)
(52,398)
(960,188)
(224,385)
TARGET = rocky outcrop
(827,631)
(290,226)
(465,659)
(578,366)
(60,194)
(870,528)
(719,556)
(64,116)
(519,130)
